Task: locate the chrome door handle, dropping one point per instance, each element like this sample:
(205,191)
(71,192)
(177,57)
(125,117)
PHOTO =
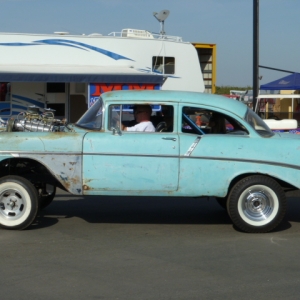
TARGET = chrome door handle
(169,139)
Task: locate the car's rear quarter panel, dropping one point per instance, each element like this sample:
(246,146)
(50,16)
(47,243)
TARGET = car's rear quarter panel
(218,159)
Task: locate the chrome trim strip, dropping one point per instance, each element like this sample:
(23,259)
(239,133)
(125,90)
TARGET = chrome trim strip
(193,146)
(17,153)
(203,158)
(263,162)
(272,163)
(135,155)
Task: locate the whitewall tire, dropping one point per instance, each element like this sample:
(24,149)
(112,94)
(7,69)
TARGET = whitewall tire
(18,202)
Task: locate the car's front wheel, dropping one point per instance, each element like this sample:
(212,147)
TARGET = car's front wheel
(256,204)
(18,202)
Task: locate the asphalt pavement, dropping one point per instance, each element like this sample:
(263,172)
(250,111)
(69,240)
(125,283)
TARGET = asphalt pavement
(148,248)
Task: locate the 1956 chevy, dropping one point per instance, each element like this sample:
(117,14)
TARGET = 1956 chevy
(246,167)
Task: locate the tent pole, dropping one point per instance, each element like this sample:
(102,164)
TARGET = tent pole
(255,50)
(275,69)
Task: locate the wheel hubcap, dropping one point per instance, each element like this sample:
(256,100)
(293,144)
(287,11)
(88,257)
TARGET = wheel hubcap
(258,205)
(11,203)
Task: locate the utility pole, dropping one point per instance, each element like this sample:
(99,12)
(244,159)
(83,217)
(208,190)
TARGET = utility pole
(255,51)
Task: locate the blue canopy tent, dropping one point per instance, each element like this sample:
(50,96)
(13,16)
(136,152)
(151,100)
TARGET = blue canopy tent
(290,82)
(289,109)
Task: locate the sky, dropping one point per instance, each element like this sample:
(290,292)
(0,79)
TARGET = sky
(226,23)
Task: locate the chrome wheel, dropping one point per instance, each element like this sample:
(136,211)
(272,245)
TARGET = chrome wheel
(18,202)
(256,204)
(12,203)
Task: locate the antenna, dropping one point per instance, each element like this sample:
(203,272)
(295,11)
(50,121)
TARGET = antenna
(161,16)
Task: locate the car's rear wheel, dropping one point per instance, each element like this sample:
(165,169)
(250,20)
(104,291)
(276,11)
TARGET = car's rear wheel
(256,204)
(18,202)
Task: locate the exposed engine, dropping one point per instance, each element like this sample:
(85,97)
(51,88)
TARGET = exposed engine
(32,120)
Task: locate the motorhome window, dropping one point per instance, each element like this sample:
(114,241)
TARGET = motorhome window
(169,65)
(164,65)
(55,87)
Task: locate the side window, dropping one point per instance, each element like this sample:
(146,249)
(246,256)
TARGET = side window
(202,121)
(163,118)
(192,121)
(164,65)
(121,114)
(113,117)
(127,117)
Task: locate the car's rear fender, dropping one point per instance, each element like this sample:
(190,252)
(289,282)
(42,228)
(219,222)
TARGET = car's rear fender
(214,177)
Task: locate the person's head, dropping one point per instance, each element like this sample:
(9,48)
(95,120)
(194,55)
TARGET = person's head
(142,112)
(217,123)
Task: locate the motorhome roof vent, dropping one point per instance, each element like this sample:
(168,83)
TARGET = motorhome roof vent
(135,33)
(95,34)
(61,32)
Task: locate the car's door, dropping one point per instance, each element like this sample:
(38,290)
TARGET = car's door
(206,155)
(130,162)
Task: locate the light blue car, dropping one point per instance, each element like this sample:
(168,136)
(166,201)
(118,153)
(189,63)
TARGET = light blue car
(246,166)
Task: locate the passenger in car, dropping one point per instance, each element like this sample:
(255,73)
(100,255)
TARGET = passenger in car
(217,123)
(142,114)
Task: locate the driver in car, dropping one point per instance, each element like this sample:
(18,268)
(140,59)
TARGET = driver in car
(142,114)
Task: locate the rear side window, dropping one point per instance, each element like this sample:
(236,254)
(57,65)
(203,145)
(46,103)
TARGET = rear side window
(203,121)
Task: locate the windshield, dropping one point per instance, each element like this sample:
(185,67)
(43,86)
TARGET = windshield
(258,124)
(92,119)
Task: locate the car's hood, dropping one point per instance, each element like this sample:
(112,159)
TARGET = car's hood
(41,142)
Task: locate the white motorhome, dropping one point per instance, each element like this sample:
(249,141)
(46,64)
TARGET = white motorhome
(69,72)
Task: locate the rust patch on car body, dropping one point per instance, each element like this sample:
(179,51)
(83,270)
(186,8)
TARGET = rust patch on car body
(70,178)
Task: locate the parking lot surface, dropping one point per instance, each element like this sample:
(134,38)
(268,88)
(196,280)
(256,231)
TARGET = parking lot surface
(148,248)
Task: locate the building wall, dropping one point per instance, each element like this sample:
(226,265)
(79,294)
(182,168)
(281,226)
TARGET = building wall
(207,54)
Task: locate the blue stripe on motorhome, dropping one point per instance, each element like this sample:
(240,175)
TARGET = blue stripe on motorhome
(27,100)
(69,43)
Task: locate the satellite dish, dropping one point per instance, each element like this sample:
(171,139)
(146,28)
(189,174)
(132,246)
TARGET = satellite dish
(161,16)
